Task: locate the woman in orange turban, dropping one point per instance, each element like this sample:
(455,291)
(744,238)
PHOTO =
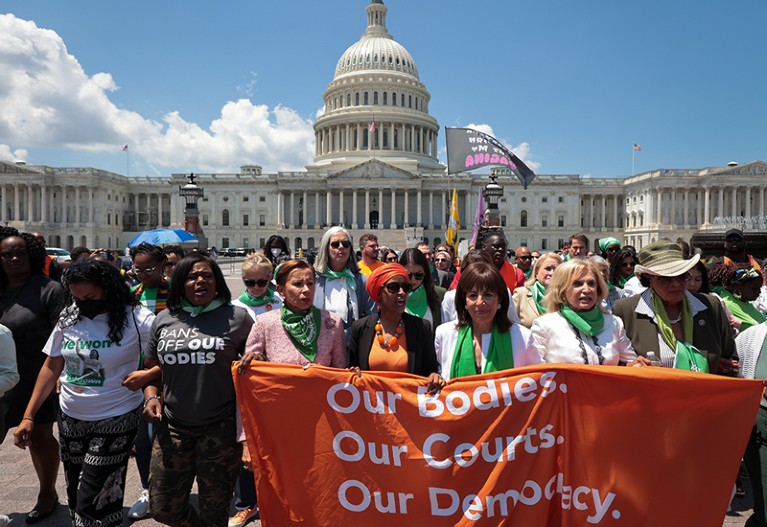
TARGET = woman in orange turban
(392,340)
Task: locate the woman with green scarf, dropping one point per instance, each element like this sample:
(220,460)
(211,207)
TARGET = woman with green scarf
(622,268)
(528,300)
(575,329)
(682,329)
(741,286)
(482,339)
(259,295)
(425,298)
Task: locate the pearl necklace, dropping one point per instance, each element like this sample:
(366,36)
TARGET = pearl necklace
(392,341)
(677,319)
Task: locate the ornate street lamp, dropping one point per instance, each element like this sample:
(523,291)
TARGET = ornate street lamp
(493,194)
(192,193)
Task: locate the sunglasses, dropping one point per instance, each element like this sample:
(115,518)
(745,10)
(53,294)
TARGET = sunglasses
(523,257)
(394,287)
(668,279)
(392,259)
(140,271)
(417,276)
(440,260)
(346,244)
(250,283)
(628,264)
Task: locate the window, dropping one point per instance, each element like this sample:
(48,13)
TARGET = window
(544,221)
(357,99)
(245,220)
(204,220)
(261,242)
(366,98)
(503,220)
(523,219)
(561,199)
(560,221)
(523,242)
(544,244)
(245,242)
(545,199)
(524,199)
(262,199)
(224,242)
(375,97)
(246,198)
(225,217)
(262,222)
(384,98)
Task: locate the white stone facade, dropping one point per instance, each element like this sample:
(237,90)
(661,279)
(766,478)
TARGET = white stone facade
(385,179)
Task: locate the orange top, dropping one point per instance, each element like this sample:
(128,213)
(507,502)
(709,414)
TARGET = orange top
(389,359)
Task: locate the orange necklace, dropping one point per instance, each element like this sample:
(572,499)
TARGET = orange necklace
(392,341)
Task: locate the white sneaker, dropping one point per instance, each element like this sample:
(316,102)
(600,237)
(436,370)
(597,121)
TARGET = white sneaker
(140,509)
(4,520)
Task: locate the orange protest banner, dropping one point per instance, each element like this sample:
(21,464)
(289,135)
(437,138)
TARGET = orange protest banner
(546,445)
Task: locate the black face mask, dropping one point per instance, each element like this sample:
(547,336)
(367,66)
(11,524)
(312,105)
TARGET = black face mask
(91,308)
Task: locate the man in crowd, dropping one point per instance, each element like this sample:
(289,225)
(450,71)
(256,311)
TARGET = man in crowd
(173,253)
(426,250)
(735,250)
(579,246)
(524,260)
(369,261)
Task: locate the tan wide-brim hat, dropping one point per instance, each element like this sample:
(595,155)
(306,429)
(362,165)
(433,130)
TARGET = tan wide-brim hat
(664,258)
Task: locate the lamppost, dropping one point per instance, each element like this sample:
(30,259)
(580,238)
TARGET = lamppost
(192,193)
(493,193)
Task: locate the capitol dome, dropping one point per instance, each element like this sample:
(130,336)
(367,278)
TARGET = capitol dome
(376,104)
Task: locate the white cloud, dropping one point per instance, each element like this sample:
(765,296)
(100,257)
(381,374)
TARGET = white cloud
(522,150)
(7,154)
(48,100)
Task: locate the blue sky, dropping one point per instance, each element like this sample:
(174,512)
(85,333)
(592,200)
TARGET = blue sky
(208,86)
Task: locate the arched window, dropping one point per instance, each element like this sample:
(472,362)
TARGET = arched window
(348,99)
(523,219)
(225,218)
(366,99)
(357,99)
(394,98)
(375,97)
(385,102)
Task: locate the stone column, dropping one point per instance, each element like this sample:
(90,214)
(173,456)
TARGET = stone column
(30,204)
(292,216)
(735,201)
(355,221)
(686,207)
(16,203)
(672,212)
(366,219)
(160,223)
(328,203)
(317,210)
(305,219)
(616,222)
(443,216)
(747,205)
(341,208)
(405,216)
(380,209)
(707,206)
(699,208)
(418,218)
(431,209)
(90,206)
(761,201)
(3,204)
(720,203)
(659,216)
(604,211)
(173,210)
(393,219)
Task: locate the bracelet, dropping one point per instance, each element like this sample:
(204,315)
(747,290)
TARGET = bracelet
(28,419)
(146,401)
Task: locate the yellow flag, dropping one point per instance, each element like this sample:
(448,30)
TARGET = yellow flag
(451,237)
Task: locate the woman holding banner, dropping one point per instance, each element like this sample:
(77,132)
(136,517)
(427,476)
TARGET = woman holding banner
(684,330)
(299,333)
(393,340)
(483,339)
(575,329)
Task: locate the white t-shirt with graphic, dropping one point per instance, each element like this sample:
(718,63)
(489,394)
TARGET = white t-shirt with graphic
(94,366)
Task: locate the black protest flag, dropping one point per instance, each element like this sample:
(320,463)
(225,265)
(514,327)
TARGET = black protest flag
(468,149)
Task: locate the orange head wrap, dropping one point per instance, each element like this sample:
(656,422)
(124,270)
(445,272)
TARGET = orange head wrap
(381,275)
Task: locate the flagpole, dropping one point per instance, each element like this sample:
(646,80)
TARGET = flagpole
(127,162)
(633,154)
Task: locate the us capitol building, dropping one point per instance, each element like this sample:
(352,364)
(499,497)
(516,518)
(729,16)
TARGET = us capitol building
(387,180)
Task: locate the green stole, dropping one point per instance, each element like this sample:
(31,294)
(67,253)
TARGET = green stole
(257,301)
(416,302)
(623,279)
(500,355)
(303,328)
(345,274)
(196,310)
(538,290)
(688,357)
(743,311)
(589,322)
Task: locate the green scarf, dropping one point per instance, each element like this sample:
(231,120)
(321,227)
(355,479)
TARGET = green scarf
(623,279)
(664,325)
(610,287)
(690,358)
(500,356)
(528,273)
(196,310)
(303,329)
(589,322)
(416,302)
(257,301)
(743,311)
(538,291)
(346,273)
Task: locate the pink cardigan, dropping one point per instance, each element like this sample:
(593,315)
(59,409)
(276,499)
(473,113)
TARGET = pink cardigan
(267,336)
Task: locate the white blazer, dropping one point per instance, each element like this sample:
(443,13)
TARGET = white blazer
(556,341)
(522,348)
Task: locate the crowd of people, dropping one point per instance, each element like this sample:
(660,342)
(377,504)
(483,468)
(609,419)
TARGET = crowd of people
(134,356)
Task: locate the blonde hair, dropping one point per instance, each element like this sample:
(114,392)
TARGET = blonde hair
(537,267)
(563,280)
(257,259)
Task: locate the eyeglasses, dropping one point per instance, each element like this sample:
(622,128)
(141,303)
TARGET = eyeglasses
(628,264)
(668,279)
(345,243)
(250,283)
(391,259)
(140,271)
(417,276)
(394,287)
(523,257)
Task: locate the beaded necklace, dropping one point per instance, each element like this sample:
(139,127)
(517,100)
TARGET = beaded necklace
(392,341)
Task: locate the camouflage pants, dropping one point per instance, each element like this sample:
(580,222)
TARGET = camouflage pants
(179,454)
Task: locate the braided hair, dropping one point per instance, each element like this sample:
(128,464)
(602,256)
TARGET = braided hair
(116,292)
(154,251)
(35,250)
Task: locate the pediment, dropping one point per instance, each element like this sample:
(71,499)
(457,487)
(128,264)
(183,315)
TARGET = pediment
(12,168)
(373,169)
(754,168)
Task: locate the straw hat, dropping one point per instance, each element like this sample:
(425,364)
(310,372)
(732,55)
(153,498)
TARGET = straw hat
(664,258)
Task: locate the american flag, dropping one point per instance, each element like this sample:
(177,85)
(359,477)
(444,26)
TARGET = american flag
(125,148)
(372,127)
(637,147)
